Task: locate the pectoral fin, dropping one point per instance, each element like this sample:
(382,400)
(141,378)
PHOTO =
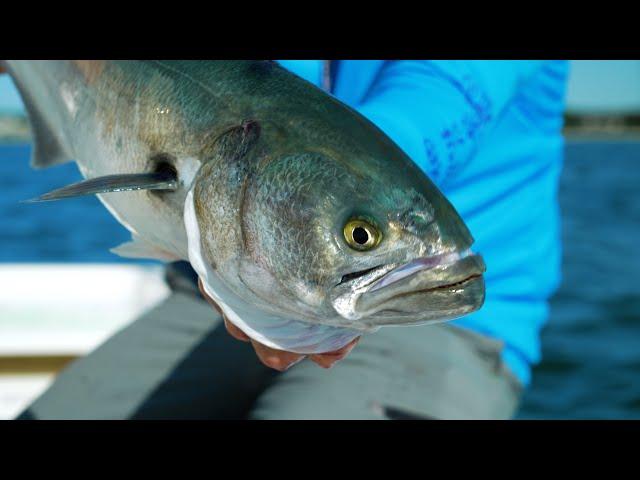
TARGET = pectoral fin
(139,248)
(164,180)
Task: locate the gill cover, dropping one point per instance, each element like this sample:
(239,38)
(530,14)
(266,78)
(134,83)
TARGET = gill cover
(218,259)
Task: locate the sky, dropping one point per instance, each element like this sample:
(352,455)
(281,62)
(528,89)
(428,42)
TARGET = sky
(604,86)
(595,86)
(9,100)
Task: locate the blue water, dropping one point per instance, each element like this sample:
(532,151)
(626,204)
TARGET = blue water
(591,346)
(77,230)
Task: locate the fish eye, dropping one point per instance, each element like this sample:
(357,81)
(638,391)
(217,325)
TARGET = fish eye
(361,235)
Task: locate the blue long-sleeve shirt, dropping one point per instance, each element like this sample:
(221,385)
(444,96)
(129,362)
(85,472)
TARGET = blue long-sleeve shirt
(488,133)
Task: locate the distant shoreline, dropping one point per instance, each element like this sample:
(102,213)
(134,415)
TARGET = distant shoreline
(15,128)
(608,125)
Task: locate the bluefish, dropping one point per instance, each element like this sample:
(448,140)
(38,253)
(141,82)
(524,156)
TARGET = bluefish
(304,221)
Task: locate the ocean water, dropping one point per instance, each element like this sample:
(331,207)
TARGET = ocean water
(78,230)
(591,345)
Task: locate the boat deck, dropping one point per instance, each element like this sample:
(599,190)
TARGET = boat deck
(51,314)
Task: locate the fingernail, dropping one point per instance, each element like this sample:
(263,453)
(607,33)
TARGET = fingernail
(348,351)
(327,365)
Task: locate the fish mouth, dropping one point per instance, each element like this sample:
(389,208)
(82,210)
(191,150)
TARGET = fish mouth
(426,289)
(446,286)
(443,262)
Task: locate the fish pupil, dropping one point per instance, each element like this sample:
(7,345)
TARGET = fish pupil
(360,236)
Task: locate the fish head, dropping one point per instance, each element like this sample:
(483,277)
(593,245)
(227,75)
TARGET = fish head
(355,244)
(331,222)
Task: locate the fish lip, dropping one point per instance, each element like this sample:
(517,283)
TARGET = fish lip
(422,264)
(445,286)
(359,298)
(468,296)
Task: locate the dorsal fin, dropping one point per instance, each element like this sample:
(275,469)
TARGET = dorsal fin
(47,148)
(48,145)
(162,180)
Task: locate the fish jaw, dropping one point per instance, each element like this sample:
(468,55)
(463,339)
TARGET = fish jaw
(424,290)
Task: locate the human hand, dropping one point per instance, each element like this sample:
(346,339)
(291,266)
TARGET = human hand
(279,359)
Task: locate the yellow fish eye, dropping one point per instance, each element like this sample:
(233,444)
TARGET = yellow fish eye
(361,235)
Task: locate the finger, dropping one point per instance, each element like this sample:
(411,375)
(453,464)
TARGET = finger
(234,331)
(329,359)
(276,359)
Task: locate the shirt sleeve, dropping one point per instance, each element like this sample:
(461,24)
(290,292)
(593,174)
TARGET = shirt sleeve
(437,110)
